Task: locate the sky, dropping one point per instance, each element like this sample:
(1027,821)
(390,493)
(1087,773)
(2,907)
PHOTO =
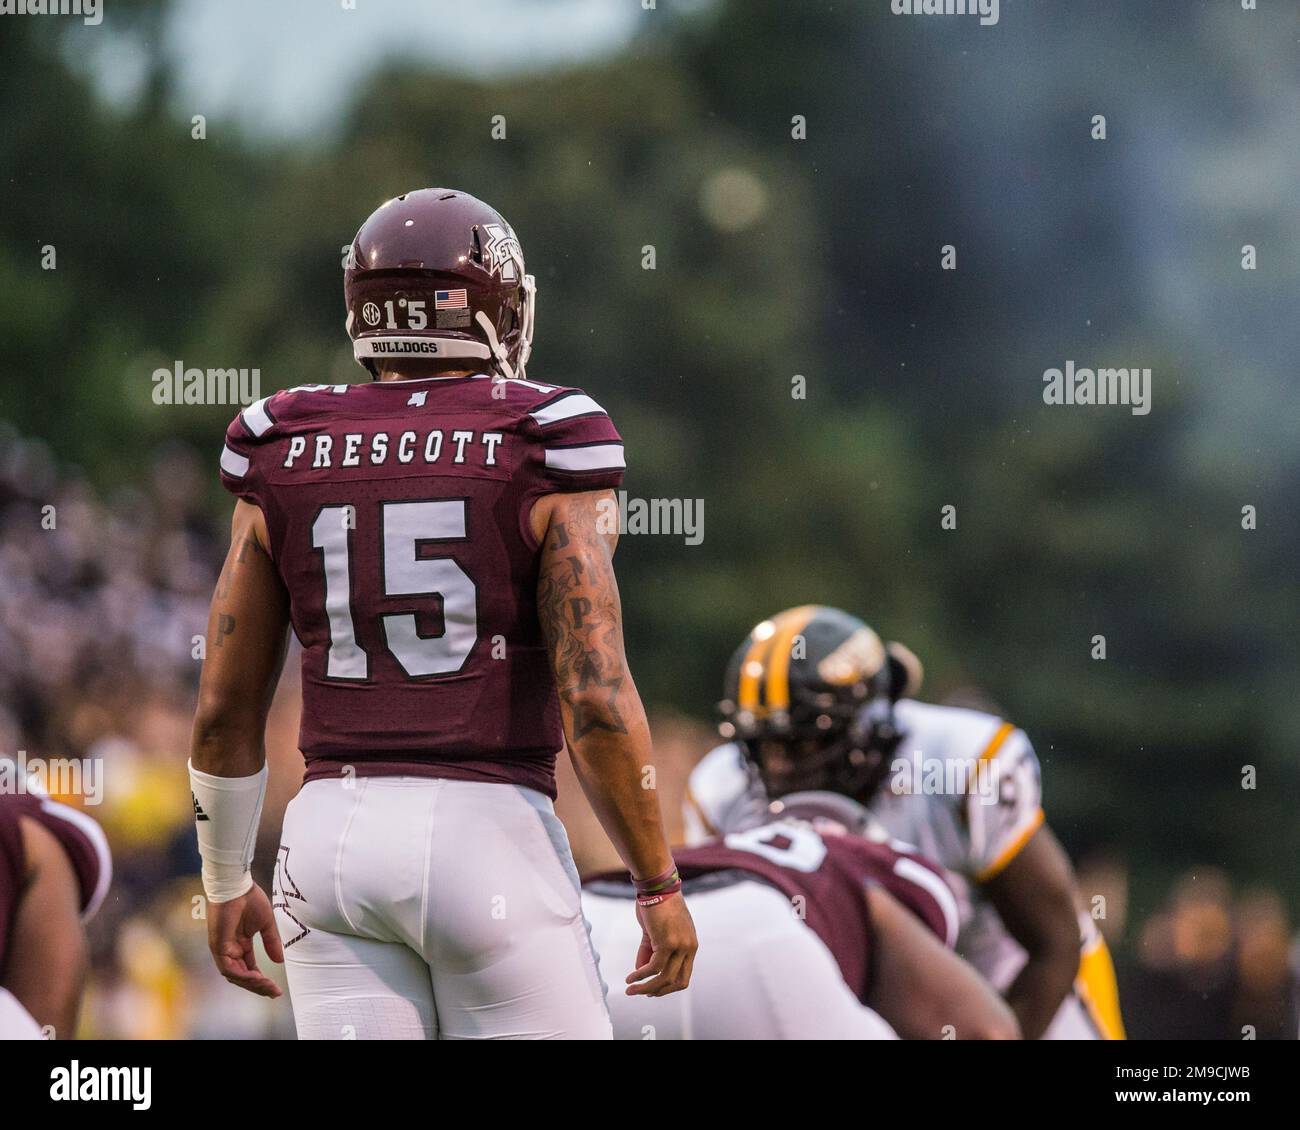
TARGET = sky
(282,68)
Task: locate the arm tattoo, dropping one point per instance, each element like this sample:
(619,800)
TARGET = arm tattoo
(577,603)
(225,627)
(248,549)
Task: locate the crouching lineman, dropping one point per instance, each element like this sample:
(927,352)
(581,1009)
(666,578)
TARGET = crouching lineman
(55,869)
(807,932)
(1023,924)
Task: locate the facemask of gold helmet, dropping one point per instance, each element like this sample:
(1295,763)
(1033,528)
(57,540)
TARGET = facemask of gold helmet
(810,700)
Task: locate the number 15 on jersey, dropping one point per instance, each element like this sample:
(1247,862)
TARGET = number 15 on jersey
(403,530)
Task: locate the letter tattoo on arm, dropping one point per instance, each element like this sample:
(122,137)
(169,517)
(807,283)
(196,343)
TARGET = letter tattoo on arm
(578,605)
(604,720)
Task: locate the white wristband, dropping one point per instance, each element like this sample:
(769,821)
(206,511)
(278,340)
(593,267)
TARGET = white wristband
(226,814)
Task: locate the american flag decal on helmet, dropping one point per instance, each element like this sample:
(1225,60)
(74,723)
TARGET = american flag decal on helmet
(450,299)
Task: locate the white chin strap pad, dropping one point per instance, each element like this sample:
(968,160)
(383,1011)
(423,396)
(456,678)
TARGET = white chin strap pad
(907,659)
(405,346)
(498,351)
(529,317)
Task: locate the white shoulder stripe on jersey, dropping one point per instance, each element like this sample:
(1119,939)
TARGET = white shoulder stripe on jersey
(565,408)
(95,834)
(593,457)
(233,463)
(257,419)
(909,869)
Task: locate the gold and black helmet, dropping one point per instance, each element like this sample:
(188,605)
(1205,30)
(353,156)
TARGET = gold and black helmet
(809,698)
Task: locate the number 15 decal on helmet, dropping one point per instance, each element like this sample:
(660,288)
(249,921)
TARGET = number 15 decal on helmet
(437,273)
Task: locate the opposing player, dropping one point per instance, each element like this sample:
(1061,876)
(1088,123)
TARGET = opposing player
(441,540)
(961,785)
(55,869)
(809,933)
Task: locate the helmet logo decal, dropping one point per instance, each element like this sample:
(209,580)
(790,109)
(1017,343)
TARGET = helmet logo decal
(858,657)
(435,265)
(502,254)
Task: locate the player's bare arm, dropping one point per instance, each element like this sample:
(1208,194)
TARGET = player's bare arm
(923,989)
(1035,897)
(48,959)
(247,637)
(604,720)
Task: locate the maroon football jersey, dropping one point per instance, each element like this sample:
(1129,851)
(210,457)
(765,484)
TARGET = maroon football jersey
(81,838)
(398,514)
(825,876)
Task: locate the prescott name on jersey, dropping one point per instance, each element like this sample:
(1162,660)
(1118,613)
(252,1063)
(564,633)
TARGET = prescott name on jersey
(398,513)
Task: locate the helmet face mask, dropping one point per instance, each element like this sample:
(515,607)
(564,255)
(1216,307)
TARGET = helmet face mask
(437,275)
(808,702)
(850,762)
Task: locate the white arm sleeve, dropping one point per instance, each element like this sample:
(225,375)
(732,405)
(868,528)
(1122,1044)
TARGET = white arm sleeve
(226,814)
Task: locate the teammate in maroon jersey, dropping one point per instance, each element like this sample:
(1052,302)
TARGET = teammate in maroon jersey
(810,933)
(441,542)
(55,869)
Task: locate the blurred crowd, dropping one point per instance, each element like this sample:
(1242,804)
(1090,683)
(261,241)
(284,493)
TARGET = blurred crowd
(1212,962)
(103,605)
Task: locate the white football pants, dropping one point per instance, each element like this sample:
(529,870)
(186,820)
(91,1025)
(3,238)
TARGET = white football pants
(421,908)
(16,1023)
(760,974)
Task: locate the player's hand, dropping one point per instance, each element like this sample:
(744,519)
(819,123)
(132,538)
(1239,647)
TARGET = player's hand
(232,926)
(667,952)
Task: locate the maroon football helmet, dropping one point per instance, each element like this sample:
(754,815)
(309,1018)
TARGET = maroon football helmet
(438,274)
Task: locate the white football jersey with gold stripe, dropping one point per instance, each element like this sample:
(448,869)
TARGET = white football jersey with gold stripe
(965,791)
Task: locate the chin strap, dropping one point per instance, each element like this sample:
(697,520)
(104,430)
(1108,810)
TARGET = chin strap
(498,351)
(529,316)
(906,671)
(526,318)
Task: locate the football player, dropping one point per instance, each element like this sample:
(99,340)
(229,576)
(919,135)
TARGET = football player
(55,869)
(809,933)
(961,785)
(441,541)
